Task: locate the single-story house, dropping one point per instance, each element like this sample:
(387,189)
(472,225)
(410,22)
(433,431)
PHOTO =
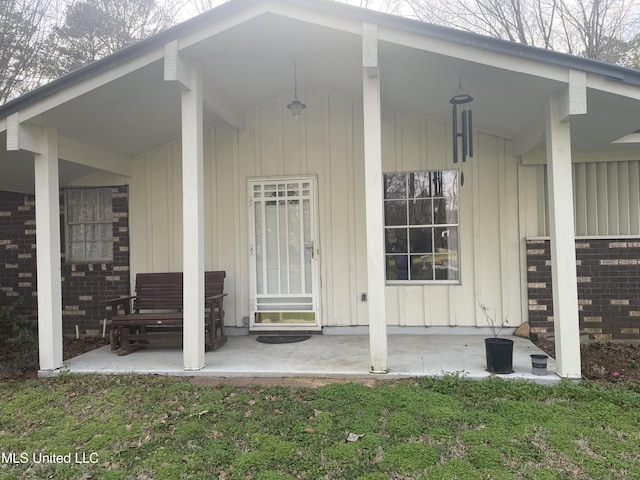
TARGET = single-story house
(369,207)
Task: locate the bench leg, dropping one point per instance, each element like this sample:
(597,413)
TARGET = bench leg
(217,323)
(114,339)
(125,343)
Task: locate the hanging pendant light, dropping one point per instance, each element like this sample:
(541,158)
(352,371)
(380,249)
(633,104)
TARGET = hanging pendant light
(465,133)
(296,106)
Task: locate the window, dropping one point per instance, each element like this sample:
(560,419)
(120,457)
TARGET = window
(89,230)
(421,226)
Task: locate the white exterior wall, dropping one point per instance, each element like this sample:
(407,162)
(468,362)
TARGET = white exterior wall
(327,141)
(606,197)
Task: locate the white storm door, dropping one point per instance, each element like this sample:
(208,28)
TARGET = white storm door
(283,252)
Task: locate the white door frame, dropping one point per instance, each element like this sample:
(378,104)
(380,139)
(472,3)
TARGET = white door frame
(311,245)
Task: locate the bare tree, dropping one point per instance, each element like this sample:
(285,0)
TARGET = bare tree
(201,6)
(597,29)
(24,27)
(96,28)
(530,22)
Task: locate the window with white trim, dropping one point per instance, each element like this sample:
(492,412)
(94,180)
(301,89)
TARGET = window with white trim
(421,227)
(89,224)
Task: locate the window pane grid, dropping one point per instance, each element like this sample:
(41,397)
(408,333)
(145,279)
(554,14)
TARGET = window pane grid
(283,220)
(421,226)
(89,217)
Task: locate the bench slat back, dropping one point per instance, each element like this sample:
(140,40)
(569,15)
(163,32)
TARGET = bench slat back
(163,291)
(214,283)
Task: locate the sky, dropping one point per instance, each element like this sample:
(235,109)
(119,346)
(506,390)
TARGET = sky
(193,7)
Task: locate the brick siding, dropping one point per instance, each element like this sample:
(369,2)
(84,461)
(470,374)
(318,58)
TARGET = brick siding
(608,287)
(84,285)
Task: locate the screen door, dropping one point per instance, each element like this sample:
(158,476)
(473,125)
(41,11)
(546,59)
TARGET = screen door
(283,251)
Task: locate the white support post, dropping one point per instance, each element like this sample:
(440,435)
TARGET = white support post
(563,247)
(48,251)
(374,201)
(193,222)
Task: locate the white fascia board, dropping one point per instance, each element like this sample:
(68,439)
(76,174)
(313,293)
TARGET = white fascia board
(220,26)
(91,156)
(276,8)
(537,156)
(604,84)
(474,54)
(95,81)
(315,17)
(629,138)
(586,157)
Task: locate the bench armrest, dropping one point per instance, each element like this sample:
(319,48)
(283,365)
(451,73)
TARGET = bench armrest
(124,301)
(215,297)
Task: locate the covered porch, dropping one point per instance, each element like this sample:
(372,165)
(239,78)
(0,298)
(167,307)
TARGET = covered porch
(189,118)
(322,356)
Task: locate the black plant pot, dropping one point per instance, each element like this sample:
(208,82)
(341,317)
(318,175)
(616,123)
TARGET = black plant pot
(499,355)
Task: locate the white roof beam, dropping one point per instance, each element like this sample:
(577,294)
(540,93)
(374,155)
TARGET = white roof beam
(31,139)
(288,10)
(23,137)
(370,49)
(573,99)
(175,69)
(221,25)
(530,136)
(214,101)
(88,85)
(473,54)
(91,156)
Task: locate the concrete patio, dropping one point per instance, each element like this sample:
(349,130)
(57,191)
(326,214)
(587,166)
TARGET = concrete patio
(320,356)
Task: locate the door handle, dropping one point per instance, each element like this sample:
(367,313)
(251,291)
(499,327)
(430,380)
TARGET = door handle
(312,248)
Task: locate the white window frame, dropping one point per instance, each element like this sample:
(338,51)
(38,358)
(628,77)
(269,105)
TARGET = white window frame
(433,226)
(68,224)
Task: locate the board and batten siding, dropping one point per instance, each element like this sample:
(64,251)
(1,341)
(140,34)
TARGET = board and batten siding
(327,141)
(606,196)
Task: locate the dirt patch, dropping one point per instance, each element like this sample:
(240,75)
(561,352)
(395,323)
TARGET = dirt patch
(20,359)
(73,347)
(604,362)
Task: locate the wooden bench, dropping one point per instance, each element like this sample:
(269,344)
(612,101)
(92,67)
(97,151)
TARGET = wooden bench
(156,311)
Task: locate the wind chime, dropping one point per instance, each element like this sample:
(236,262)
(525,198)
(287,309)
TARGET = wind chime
(463,126)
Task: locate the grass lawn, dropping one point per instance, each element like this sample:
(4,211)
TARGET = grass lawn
(144,427)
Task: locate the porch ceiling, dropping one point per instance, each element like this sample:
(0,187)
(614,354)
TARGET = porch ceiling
(251,64)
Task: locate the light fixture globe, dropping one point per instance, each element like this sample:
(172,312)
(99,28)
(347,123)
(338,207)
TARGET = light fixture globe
(296,107)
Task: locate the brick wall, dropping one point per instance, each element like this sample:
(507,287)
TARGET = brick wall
(17,252)
(84,285)
(608,287)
